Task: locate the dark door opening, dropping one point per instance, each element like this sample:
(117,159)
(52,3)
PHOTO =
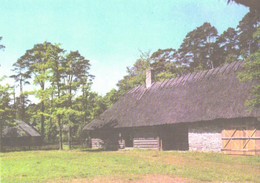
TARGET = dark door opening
(128,140)
(175,137)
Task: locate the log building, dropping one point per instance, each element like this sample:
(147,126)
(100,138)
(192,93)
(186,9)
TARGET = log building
(21,134)
(203,111)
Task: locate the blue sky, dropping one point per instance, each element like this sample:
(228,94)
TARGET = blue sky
(109,33)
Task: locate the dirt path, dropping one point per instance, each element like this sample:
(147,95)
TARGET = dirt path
(141,179)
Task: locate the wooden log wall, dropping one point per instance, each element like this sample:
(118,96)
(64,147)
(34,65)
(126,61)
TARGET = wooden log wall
(96,143)
(142,137)
(148,143)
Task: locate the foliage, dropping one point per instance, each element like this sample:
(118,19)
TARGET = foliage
(36,65)
(126,166)
(6,112)
(136,74)
(21,77)
(248,43)
(251,72)
(60,77)
(227,49)
(198,46)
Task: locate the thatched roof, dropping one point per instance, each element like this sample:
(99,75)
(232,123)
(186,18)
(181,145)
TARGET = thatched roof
(201,96)
(19,130)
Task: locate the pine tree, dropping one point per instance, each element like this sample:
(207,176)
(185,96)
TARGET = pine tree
(197,48)
(22,77)
(248,44)
(228,50)
(76,72)
(6,112)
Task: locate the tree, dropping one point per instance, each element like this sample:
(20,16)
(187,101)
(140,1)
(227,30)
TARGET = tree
(84,100)
(135,74)
(5,108)
(251,72)
(197,48)
(21,76)
(56,103)
(228,50)
(248,44)
(37,60)
(76,72)
(166,63)
(61,78)
(161,58)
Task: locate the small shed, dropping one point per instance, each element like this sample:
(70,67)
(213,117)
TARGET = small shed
(22,134)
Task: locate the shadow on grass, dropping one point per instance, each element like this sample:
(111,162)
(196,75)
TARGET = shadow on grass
(97,150)
(32,148)
(53,147)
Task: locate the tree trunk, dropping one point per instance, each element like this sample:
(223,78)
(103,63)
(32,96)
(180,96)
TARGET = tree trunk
(83,104)
(42,120)
(60,133)
(15,106)
(42,116)
(59,122)
(69,137)
(1,131)
(21,100)
(69,130)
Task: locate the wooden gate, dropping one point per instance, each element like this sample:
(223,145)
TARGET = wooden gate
(241,139)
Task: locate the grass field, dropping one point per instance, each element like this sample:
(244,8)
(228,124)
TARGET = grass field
(127,166)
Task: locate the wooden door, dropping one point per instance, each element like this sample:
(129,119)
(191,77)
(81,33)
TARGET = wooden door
(240,139)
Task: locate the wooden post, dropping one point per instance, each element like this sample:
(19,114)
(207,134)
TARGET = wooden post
(161,144)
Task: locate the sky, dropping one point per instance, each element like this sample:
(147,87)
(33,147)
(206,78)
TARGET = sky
(109,33)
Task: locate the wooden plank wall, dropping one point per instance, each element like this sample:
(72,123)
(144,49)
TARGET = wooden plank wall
(242,138)
(96,143)
(146,138)
(149,143)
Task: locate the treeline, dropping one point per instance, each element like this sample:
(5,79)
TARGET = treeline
(202,48)
(61,82)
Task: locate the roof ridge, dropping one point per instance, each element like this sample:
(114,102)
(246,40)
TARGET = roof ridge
(190,77)
(19,124)
(233,66)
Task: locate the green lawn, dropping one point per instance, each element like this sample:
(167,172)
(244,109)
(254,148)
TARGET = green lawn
(126,166)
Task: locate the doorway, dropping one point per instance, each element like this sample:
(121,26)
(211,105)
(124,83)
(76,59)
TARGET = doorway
(175,137)
(128,140)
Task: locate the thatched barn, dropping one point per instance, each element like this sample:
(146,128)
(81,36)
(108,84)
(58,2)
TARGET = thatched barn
(202,111)
(21,134)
